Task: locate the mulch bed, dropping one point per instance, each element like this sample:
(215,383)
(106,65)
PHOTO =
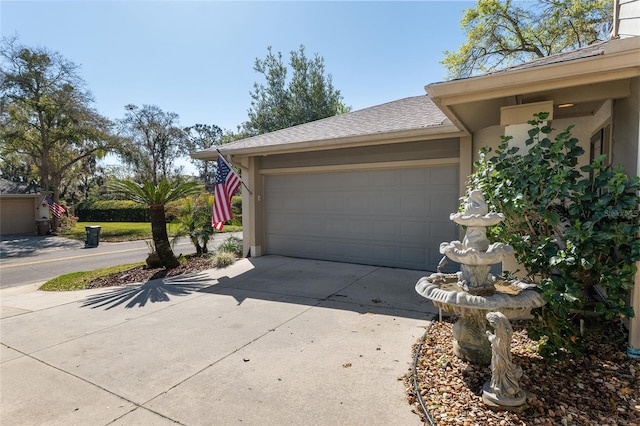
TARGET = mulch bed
(603,388)
(140,274)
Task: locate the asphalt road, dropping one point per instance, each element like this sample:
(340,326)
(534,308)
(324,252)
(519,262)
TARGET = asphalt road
(35,259)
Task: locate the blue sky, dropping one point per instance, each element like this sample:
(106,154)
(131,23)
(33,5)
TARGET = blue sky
(195,58)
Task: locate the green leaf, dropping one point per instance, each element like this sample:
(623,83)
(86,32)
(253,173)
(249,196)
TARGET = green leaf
(552,218)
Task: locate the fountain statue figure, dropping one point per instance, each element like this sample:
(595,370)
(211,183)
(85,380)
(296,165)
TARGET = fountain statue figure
(474,291)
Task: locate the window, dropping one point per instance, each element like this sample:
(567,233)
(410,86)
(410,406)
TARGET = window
(601,144)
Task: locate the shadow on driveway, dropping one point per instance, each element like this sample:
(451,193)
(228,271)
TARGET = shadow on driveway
(153,291)
(358,288)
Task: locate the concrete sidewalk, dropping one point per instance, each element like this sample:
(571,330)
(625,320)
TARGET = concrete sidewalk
(270,340)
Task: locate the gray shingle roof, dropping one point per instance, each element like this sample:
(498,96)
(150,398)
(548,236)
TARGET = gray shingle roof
(10,187)
(595,49)
(414,113)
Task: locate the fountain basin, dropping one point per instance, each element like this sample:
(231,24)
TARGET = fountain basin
(475,219)
(459,252)
(513,298)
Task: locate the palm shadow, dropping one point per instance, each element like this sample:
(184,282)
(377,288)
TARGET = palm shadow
(154,291)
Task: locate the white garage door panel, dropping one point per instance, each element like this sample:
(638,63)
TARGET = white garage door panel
(382,217)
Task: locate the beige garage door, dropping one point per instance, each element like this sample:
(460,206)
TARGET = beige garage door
(395,217)
(17,216)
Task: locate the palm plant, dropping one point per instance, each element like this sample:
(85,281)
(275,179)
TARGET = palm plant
(194,221)
(156,196)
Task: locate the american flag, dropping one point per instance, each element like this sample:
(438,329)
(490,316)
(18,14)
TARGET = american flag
(55,208)
(227,181)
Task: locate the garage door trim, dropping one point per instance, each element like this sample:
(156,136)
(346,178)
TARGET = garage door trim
(452,161)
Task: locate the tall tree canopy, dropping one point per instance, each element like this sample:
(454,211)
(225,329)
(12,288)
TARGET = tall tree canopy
(198,138)
(283,102)
(47,127)
(155,141)
(504,33)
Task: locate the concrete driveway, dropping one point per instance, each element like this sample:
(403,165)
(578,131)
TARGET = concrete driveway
(267,341)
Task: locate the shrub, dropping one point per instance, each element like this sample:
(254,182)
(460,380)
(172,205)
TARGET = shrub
(193,217)
(236,209)
(67,223)
(223,259)
(231,245)
(574,233)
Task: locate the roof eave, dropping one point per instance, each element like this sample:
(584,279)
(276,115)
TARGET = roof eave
(436,132)
(619,61)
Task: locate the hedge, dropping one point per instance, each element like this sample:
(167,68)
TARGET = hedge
(129,211)
(112,211)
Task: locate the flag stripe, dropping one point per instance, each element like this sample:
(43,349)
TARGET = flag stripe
(227,182)
(56,209)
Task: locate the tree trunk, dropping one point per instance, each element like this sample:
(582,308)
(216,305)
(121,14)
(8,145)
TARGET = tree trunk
(161,238)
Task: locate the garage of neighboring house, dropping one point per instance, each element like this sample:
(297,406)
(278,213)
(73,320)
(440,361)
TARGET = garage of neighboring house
(18,210)
(374,186)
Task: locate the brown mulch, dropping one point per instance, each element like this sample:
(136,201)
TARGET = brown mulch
(140,274)
(603,388)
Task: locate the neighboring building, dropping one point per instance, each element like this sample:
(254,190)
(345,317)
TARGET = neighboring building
(21,207)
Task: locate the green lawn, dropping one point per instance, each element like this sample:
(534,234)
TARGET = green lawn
(124,231)
(113,231)
(77,280)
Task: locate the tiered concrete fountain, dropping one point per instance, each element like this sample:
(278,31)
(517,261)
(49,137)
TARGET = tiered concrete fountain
(482,301)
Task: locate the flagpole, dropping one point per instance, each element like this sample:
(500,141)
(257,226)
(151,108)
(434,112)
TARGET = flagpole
(241,181)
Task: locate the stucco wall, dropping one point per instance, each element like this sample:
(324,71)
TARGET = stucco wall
(584,128)
(432,149)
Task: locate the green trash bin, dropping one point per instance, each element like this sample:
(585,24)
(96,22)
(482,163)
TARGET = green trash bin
(93,236)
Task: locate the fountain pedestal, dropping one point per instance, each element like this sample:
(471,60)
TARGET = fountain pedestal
(476,296)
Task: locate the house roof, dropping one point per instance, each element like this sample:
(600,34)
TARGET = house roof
(595,49)
(409,117)
(10,187)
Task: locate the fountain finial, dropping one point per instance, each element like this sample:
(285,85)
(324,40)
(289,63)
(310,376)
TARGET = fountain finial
(475,204)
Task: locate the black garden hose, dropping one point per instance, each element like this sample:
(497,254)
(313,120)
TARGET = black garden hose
(415,376)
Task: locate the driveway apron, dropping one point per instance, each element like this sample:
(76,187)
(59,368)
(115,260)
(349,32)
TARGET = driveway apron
(269,340)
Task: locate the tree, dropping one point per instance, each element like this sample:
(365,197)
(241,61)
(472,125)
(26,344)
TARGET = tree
(200,137)
(501,33)
(308,96)
(157,196)
(46,124)
(155,141)
(85,178)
